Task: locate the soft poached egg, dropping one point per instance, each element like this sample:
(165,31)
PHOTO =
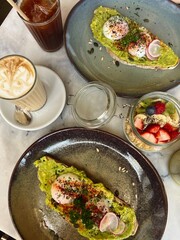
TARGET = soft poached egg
(65,188)
(115,28)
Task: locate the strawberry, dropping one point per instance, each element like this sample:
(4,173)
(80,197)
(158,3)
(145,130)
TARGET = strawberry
(162,135)
(168,127)
(153,128)
(160,107)
(149,137)
(138,123)
(174,134)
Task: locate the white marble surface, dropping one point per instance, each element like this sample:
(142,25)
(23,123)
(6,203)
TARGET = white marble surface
(15,38)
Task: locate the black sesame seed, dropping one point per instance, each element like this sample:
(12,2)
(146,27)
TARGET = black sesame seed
(95,44)
(136,14)
(91,51)
(117,63)
(170,44)
(146,20)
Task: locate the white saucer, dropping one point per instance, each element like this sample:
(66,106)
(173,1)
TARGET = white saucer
(56,99)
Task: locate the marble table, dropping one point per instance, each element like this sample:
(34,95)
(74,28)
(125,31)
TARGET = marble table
(15,38)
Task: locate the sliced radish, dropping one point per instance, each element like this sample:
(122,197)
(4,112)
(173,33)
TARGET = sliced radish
(156,41)
(149,56)
(154,48)
(120,229)
(109,222)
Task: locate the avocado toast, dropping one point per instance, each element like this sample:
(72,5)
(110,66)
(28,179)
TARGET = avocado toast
(129,43)
(91,208)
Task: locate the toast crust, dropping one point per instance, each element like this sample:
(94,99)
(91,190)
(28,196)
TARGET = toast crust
(116,58)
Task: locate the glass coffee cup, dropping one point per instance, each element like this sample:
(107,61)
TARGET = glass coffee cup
(153,122)
(19,83)
(44,22)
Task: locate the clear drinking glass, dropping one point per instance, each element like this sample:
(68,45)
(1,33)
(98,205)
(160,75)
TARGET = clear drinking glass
(19,83)
(45,22)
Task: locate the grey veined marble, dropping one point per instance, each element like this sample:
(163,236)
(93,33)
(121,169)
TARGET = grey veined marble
(15,39)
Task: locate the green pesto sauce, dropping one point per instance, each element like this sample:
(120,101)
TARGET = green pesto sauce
(167,58)
(49,170)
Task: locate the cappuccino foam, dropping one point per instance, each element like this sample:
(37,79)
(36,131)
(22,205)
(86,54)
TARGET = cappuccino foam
(17,77)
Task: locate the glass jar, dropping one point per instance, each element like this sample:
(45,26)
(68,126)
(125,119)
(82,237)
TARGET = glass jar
(153,122)
(94,105)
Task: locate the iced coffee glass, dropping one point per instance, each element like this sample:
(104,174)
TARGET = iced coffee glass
(19,83)
(45,22)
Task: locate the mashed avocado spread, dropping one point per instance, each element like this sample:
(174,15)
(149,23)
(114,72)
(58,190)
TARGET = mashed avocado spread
(167,58)
(85,220)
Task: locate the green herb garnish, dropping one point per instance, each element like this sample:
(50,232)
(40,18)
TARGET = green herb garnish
(132,36)
(80,212)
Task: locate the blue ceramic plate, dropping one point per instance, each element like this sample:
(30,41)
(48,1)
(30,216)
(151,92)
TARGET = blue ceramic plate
(105,158)
(159,16)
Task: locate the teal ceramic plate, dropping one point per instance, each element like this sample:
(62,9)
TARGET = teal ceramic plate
(159,16)
(105,158)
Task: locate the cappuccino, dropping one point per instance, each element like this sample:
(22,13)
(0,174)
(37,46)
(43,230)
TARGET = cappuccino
(19,83)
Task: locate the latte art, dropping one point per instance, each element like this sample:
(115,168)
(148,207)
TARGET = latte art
(20,84)
(16,77)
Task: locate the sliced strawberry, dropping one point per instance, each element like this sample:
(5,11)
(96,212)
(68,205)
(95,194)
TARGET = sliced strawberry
(149,137)
(160,107)
(174,134)
(138,123)
(168,127)
(139,131)
(162,135)
(153,128)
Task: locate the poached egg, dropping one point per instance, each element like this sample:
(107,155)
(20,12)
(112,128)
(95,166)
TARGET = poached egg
(65,188)
(115,28)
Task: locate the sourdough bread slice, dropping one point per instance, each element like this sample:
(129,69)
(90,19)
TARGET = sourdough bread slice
(119,49)
(49,170)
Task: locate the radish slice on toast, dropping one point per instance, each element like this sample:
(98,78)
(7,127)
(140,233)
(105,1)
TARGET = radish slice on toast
(109,222)
(153,50)
(120,229)
(149,56)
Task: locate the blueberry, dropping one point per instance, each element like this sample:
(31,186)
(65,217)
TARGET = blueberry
(150,110)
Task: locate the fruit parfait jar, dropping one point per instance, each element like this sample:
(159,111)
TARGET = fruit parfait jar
(153,122)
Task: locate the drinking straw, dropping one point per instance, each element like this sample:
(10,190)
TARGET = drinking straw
(17,8)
